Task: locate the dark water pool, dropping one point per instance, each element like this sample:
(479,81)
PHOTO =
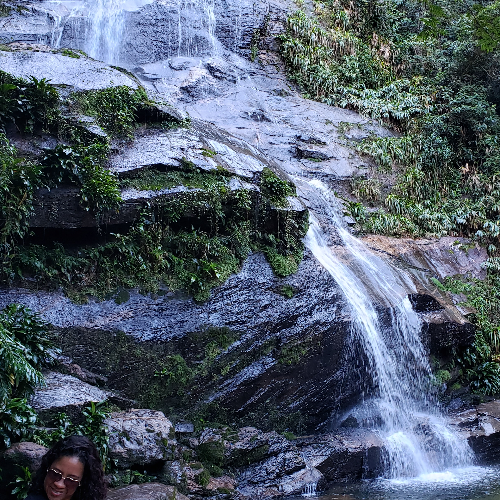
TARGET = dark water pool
(473,483)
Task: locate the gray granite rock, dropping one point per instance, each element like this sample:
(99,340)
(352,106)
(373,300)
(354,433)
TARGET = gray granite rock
(65,393)
(138,437)
(79,74)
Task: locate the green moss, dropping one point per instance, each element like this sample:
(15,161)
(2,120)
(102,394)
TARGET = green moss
(211,452)
(283,265)
(442,376)
(292,354)
(209,153)
(189,176)
(287,291)
(5,10)
(70,53)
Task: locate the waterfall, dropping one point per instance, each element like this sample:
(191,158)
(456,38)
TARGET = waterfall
(415,434)
(196,19)
(105,28)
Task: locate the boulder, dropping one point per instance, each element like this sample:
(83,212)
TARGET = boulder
(252,445)
(148,491)
(346,456)
(197,481)
(481,426)
(139,437)
(19,455)
(66,394)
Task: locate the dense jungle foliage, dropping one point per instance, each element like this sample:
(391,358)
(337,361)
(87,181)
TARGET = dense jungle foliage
(430,70)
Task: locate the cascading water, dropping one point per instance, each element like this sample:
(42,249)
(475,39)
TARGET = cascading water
(416,436)
(100,23)
(104,30)
(195,17)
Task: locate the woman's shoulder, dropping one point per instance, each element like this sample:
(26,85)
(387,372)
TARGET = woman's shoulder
(36,496)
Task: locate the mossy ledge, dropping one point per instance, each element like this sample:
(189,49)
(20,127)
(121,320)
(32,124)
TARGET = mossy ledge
(85,210)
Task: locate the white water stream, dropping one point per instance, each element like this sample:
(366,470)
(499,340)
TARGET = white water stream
(105,25)
(416,436)
(195,17)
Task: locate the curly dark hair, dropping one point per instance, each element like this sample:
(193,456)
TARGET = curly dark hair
(93,486)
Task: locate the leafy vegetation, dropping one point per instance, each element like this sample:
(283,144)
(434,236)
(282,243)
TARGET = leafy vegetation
(479,363)
(31,105)
(83,166)
(382,59)
(159,248)
(276,189)
(187,175)
(92,427)
(25,347)
(115,108)
(429,70)
(18,180)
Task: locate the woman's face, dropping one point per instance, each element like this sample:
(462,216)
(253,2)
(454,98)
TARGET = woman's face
(55,486)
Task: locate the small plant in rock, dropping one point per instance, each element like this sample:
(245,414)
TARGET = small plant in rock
(92,427)
(115,108)
(287,291)
(17,420)
(70,53)
(203,478)
(30,104)
(25,347)
(366,189)
(274,188)
(83,166)
(18,180)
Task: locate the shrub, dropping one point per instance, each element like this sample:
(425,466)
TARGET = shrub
(115,108)
(25,347)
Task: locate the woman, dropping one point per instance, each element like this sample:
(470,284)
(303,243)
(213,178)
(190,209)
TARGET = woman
(71,469)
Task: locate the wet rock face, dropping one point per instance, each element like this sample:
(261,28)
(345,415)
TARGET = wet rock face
(481,426)
(288,350)
(80,73)
(150,33)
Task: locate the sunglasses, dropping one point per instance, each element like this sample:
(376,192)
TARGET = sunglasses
(70,483)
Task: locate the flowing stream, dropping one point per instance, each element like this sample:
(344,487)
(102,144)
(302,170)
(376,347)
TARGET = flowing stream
(415,434)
